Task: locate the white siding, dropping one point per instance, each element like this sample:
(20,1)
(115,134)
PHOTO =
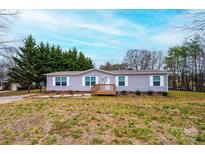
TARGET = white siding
(54,81)
(126,80)
(151,80)
(83,81)
(67,81)
(161,80)
(13,86)
(108,80)
(116,81)
(97,79)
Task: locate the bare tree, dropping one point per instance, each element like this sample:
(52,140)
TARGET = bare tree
(143,59)
(157,60)
(130,59)
(6,60)
(6,51)
(196,24)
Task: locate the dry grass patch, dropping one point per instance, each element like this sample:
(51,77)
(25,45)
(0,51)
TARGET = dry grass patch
(20,92)
(176,119)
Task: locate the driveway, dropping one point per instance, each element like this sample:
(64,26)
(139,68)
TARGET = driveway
(8,99)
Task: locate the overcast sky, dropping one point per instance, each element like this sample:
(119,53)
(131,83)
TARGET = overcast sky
(103,35)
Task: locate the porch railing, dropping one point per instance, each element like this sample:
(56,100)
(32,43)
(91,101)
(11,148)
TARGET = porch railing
(103,89)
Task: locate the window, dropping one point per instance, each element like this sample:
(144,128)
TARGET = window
(58,81)
(156,80)
(90,81)
(121,80)
(61,81)
(87,81)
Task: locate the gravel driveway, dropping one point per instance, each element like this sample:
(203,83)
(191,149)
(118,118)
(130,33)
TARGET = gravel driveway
(8,99)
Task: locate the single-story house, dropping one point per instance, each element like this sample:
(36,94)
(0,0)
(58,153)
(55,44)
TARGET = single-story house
(123,80)
(6,85)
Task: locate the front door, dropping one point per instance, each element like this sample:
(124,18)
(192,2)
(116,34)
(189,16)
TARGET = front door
(107,81)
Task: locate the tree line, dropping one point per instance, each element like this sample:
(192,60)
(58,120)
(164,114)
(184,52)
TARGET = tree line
(187,64)
(138,59)
(33,61)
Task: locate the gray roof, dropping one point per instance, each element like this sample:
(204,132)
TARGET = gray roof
(65,73)
(138,72)
(123,72)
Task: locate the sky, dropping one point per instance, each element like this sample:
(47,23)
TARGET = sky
(103,35)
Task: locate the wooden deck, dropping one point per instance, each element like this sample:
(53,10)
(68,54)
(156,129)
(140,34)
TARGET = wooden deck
(103,89)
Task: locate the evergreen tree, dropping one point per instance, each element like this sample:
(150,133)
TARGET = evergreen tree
(76,61)
(82,62)
(70,59)
(24,71)
(187,64)
(56,59)
(34,61)
(42,63)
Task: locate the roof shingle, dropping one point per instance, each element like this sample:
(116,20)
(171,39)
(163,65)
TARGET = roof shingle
(123,72)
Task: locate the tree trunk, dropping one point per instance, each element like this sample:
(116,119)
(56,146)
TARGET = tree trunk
(29,88)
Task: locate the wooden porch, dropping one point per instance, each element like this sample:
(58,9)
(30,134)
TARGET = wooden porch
(103,89)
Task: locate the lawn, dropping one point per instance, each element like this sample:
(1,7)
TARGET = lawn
(176,119)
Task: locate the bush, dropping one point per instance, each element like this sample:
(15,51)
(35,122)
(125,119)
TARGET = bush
(124,92)
(137,92)
(150,92)
(165,93)
(70,92)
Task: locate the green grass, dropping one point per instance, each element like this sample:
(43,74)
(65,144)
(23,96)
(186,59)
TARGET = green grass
(133,132)
(179,135)
(201,138)
(51,139)
(178,118)
(97,141)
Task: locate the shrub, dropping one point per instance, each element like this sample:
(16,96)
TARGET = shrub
(70,92)
(124,92)
(164,93)
(137,92)
(150,92)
